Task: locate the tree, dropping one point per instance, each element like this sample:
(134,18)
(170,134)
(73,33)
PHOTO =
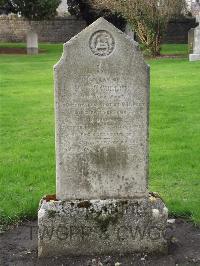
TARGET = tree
(87,11)
(5,7)
(148,18)
(36,9)
(33,10)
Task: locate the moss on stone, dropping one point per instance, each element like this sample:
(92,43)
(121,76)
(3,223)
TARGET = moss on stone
(104,221)
(51,213)
(84,204)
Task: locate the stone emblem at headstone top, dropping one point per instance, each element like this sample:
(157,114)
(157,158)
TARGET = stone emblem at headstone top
(196,43)
(102,43)
(102,204)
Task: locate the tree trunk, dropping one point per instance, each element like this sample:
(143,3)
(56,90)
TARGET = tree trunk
(155,46)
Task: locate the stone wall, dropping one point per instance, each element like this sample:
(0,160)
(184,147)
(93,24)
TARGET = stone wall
(61,29)
(177,30)
(14,29)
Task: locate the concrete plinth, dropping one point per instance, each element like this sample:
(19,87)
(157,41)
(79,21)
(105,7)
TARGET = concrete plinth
(194,57)
(32,50)
(102,227)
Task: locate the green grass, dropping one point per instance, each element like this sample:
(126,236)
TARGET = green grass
(27,132)
(175,135)
(178,49)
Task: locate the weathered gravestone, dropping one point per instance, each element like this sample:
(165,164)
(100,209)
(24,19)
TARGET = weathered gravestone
(102,203)
(32,42)
(129,31)
(190,40)
(196,44)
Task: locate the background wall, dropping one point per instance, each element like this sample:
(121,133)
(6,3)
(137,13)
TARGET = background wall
(61,29)
(177,30)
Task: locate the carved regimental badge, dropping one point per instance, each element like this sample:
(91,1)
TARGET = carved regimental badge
(102,43)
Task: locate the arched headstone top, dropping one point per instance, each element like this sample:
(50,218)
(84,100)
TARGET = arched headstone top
(103,39)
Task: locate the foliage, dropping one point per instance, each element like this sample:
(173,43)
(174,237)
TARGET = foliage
(6,7)
(34,9)
(148,18)
(85,10)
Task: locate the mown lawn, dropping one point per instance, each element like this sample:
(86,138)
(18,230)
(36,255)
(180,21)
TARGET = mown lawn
(27,155)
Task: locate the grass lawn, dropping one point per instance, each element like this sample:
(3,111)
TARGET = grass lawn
(27,132)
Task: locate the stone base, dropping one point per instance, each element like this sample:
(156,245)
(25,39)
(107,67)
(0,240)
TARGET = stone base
(104,227)
(194,57)
(32,50)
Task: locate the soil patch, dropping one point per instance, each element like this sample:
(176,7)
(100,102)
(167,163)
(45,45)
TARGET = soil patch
(168,56)
(19,247)
(12,50)
(172,56)
(9,50)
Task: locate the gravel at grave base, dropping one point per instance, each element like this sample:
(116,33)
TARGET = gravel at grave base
(19,247)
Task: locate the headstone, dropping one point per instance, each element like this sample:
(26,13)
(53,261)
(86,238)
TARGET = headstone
(32,42)
(102,204)
(196,45)
(190,40)
(129,31)
(195,8)
(101,117)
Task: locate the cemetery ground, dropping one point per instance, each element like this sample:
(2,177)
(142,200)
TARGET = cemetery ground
(27,147)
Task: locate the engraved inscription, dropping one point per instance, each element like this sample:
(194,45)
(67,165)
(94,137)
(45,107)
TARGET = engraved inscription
(102,43)
(74,233)
(102,121)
